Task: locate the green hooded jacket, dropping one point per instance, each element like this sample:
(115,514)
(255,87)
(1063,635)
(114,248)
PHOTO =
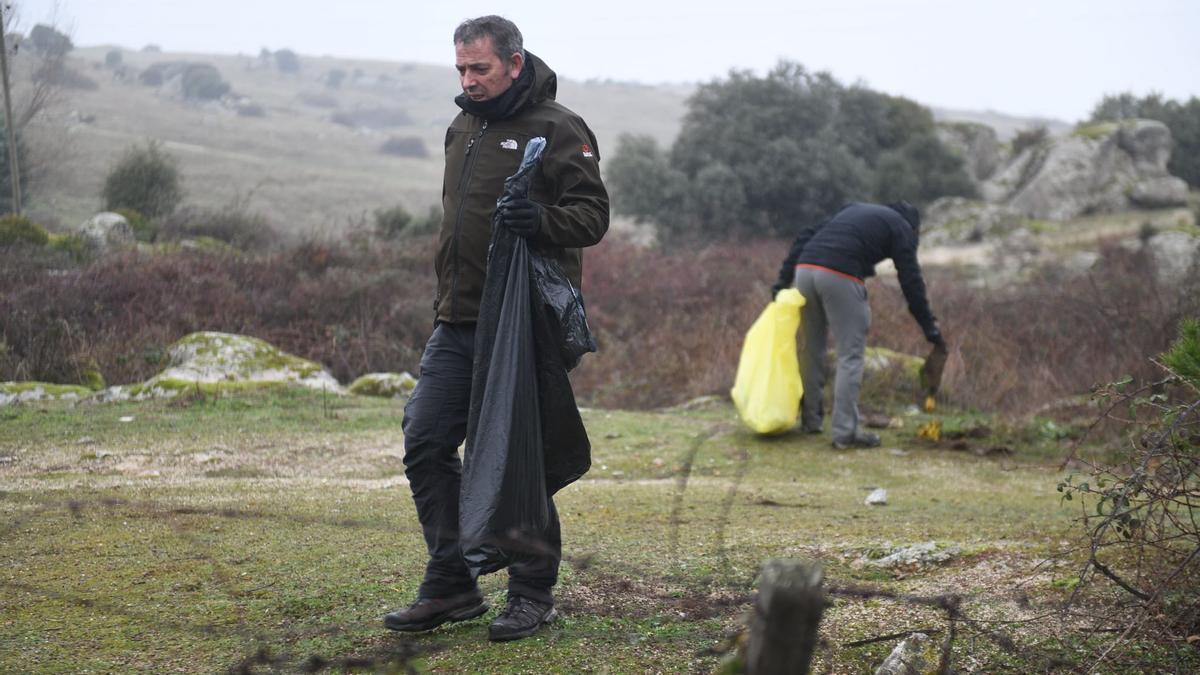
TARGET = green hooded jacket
(480,154)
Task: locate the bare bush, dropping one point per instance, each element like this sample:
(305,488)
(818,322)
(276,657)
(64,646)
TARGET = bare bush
(233,224)
(1141,507)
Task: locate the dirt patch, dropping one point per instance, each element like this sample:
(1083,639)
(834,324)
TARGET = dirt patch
(601,594)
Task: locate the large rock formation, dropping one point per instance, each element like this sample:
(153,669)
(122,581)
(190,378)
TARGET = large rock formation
(1100,168)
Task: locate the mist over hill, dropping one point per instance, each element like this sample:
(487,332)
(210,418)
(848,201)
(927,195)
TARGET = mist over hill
(315,144)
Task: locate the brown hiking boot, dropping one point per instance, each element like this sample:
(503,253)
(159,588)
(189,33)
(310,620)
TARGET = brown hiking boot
(429,613)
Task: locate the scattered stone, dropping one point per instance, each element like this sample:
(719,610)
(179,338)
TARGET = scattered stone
(878,497)
(915,655)
(27,392)
(7,459)
(384,385)
(897,452)
(107,232)
(86,440)
(915,555)
(127,418)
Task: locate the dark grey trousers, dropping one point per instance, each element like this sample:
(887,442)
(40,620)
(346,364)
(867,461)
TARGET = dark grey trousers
(435,424)
(838,304)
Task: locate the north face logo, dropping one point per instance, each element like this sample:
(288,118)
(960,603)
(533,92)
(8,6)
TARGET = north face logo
(508,144)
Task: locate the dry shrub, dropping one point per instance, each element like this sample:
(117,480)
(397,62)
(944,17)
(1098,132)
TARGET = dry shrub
(670,324)
(356,310)
(1016,349)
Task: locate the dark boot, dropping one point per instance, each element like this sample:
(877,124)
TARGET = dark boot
(861,439)
(521,618)
(429,613)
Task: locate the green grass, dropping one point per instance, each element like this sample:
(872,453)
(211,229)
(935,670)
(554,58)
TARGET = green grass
(274,528)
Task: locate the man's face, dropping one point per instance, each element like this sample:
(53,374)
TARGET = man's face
(481,73)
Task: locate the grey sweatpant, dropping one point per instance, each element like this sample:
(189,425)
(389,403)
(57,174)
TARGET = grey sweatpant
(838,304)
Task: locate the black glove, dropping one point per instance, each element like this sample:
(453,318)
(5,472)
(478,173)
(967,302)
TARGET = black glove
(776,288)
(934,336)
(522,217)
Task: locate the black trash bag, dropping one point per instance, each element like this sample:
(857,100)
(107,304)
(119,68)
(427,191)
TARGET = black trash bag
(525,438)
(565,305)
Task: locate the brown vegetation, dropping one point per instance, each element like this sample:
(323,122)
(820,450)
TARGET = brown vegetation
(669,323)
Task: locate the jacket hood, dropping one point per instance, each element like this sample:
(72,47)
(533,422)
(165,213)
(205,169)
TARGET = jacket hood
(545,82)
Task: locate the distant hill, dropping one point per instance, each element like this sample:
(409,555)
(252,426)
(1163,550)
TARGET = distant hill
(304,148)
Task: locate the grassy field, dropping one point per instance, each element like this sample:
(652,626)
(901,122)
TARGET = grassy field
(273,530)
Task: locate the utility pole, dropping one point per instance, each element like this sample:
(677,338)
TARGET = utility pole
(14,171)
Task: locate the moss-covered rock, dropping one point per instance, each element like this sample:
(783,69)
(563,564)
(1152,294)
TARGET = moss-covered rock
(880,359)
(384,385)
(212,361)
(24,392)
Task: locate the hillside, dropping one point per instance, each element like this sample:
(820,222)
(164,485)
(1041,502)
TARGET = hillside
(294,163)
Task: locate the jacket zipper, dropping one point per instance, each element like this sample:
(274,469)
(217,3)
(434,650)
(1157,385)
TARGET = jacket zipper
(463,181)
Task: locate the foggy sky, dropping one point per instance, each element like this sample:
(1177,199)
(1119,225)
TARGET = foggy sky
(1052,58)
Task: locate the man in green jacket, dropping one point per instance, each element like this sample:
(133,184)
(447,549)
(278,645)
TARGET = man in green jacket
(508,98)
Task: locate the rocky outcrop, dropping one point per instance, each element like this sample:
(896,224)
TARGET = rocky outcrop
(1175,255)
(107,232)
(976,143)
(1100,168)
(956,221)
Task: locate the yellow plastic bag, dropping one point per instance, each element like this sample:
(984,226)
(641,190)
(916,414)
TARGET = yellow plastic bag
(767,389)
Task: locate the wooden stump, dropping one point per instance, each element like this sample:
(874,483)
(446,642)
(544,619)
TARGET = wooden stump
(787,613)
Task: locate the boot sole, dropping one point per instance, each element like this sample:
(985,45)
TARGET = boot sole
(463,614)
(507,637)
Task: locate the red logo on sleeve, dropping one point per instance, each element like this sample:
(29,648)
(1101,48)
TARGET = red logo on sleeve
(587,150)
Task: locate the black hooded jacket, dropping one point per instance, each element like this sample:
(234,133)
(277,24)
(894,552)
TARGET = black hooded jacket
(853,241)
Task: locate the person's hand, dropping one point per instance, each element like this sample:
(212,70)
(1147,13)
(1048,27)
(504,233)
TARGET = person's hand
(522,217)
(775,290)
(934,336)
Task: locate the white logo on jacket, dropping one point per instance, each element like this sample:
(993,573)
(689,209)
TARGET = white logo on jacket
(508,144)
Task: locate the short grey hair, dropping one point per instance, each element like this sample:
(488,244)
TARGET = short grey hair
(506,37)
